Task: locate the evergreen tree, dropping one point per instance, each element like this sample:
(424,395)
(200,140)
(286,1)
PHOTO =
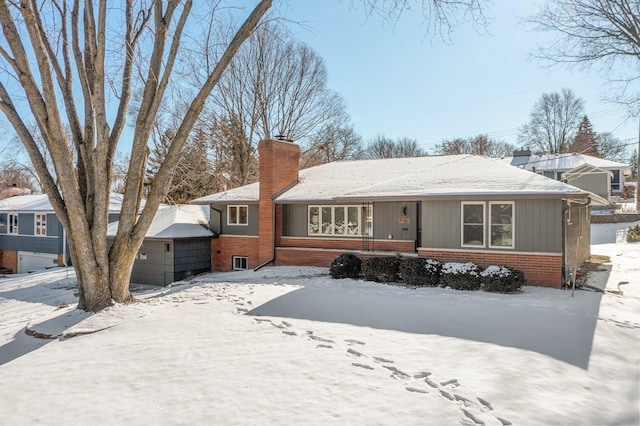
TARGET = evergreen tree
(585,141)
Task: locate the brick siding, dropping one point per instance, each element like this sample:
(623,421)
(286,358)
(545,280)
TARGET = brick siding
(405,246)
(9,260)
(539,269)
(226,246)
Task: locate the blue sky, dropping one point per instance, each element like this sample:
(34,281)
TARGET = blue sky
(399,81)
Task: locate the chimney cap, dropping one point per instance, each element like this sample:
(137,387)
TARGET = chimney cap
(283,138)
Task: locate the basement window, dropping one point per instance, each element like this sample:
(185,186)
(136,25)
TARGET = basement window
(240,263)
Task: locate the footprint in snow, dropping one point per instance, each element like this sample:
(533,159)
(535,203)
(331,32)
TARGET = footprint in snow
(411,389)
(354,342)
(395,373)
(365,366)
(354,353)
(320,339)
(383,360)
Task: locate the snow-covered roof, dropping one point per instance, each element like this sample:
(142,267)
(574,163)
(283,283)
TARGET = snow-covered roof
(40,203)
(415,177)
(564,162)
(178,221)
(247,194)
(419,177)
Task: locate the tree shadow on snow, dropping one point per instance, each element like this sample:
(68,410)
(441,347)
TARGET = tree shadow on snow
(546,321)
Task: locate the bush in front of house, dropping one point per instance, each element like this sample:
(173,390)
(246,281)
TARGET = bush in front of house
(420,272)
(346,265)
(381,269)
(460,276)
(633,234)
(502,279)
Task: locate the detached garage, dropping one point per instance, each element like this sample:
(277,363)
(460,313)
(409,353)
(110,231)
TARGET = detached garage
(176,246)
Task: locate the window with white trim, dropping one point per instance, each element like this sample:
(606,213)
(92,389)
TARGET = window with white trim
(501,224)
(348,221)
(41,224)
(13,223)
(473,224)
(237,215)
(240,263)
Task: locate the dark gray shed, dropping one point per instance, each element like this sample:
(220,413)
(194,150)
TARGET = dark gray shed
(176,246)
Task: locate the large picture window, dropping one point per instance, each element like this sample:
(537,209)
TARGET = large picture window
(237,215)
(473,224)
(339,220)
(501,226)
(41,224)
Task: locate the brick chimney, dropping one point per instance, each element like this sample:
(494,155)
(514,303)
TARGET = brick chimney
(279,165)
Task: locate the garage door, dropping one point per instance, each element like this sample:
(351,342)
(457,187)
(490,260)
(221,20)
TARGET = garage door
(28,261)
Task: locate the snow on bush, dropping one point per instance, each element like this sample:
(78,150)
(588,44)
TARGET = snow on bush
(502,279)
(420,272)
(460,276)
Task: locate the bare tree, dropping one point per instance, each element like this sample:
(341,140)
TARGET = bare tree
(76,70)
(382,146)
(554,120)
(332,143)
(13,174)
(73,43)
(611,147)
(480,145)
(602,33)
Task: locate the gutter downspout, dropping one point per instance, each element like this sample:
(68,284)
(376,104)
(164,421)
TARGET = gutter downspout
(564,211)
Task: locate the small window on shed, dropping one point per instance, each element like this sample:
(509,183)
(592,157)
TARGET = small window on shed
(239,263)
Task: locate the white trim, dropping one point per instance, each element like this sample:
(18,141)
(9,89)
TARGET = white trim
(43,227)
(360,226)
(239,258)
(513,225)
(483,224)
(236,236)
(10,230)
(237,206)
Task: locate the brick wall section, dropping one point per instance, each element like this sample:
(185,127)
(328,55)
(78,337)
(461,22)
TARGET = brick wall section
(539,269)
(403,246)
(9,259)
(542,270)
(226,246)
(279,163)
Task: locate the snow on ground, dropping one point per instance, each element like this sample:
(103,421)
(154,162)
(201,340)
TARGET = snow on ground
(289,345)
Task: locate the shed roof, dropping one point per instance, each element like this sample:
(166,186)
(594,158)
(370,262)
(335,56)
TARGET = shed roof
(174,222)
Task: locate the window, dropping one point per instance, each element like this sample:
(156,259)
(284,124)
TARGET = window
(239,263)
(473,224)
(339,220)
(501,226)
(237,215)
(13,223)
(41,224)
(615,180)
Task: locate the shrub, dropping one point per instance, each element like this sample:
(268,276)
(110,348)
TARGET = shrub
(420,272)
(501,279)
(460,276)
(633,234)
(346,265)
(381,269)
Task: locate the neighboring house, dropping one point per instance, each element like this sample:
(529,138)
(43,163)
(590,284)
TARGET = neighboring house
(176,246)
(597,175)
(31,237)
(450,208)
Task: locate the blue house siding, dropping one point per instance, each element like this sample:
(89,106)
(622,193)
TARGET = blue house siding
(29,243)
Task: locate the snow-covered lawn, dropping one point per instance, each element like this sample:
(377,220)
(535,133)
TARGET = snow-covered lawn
(289,345)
